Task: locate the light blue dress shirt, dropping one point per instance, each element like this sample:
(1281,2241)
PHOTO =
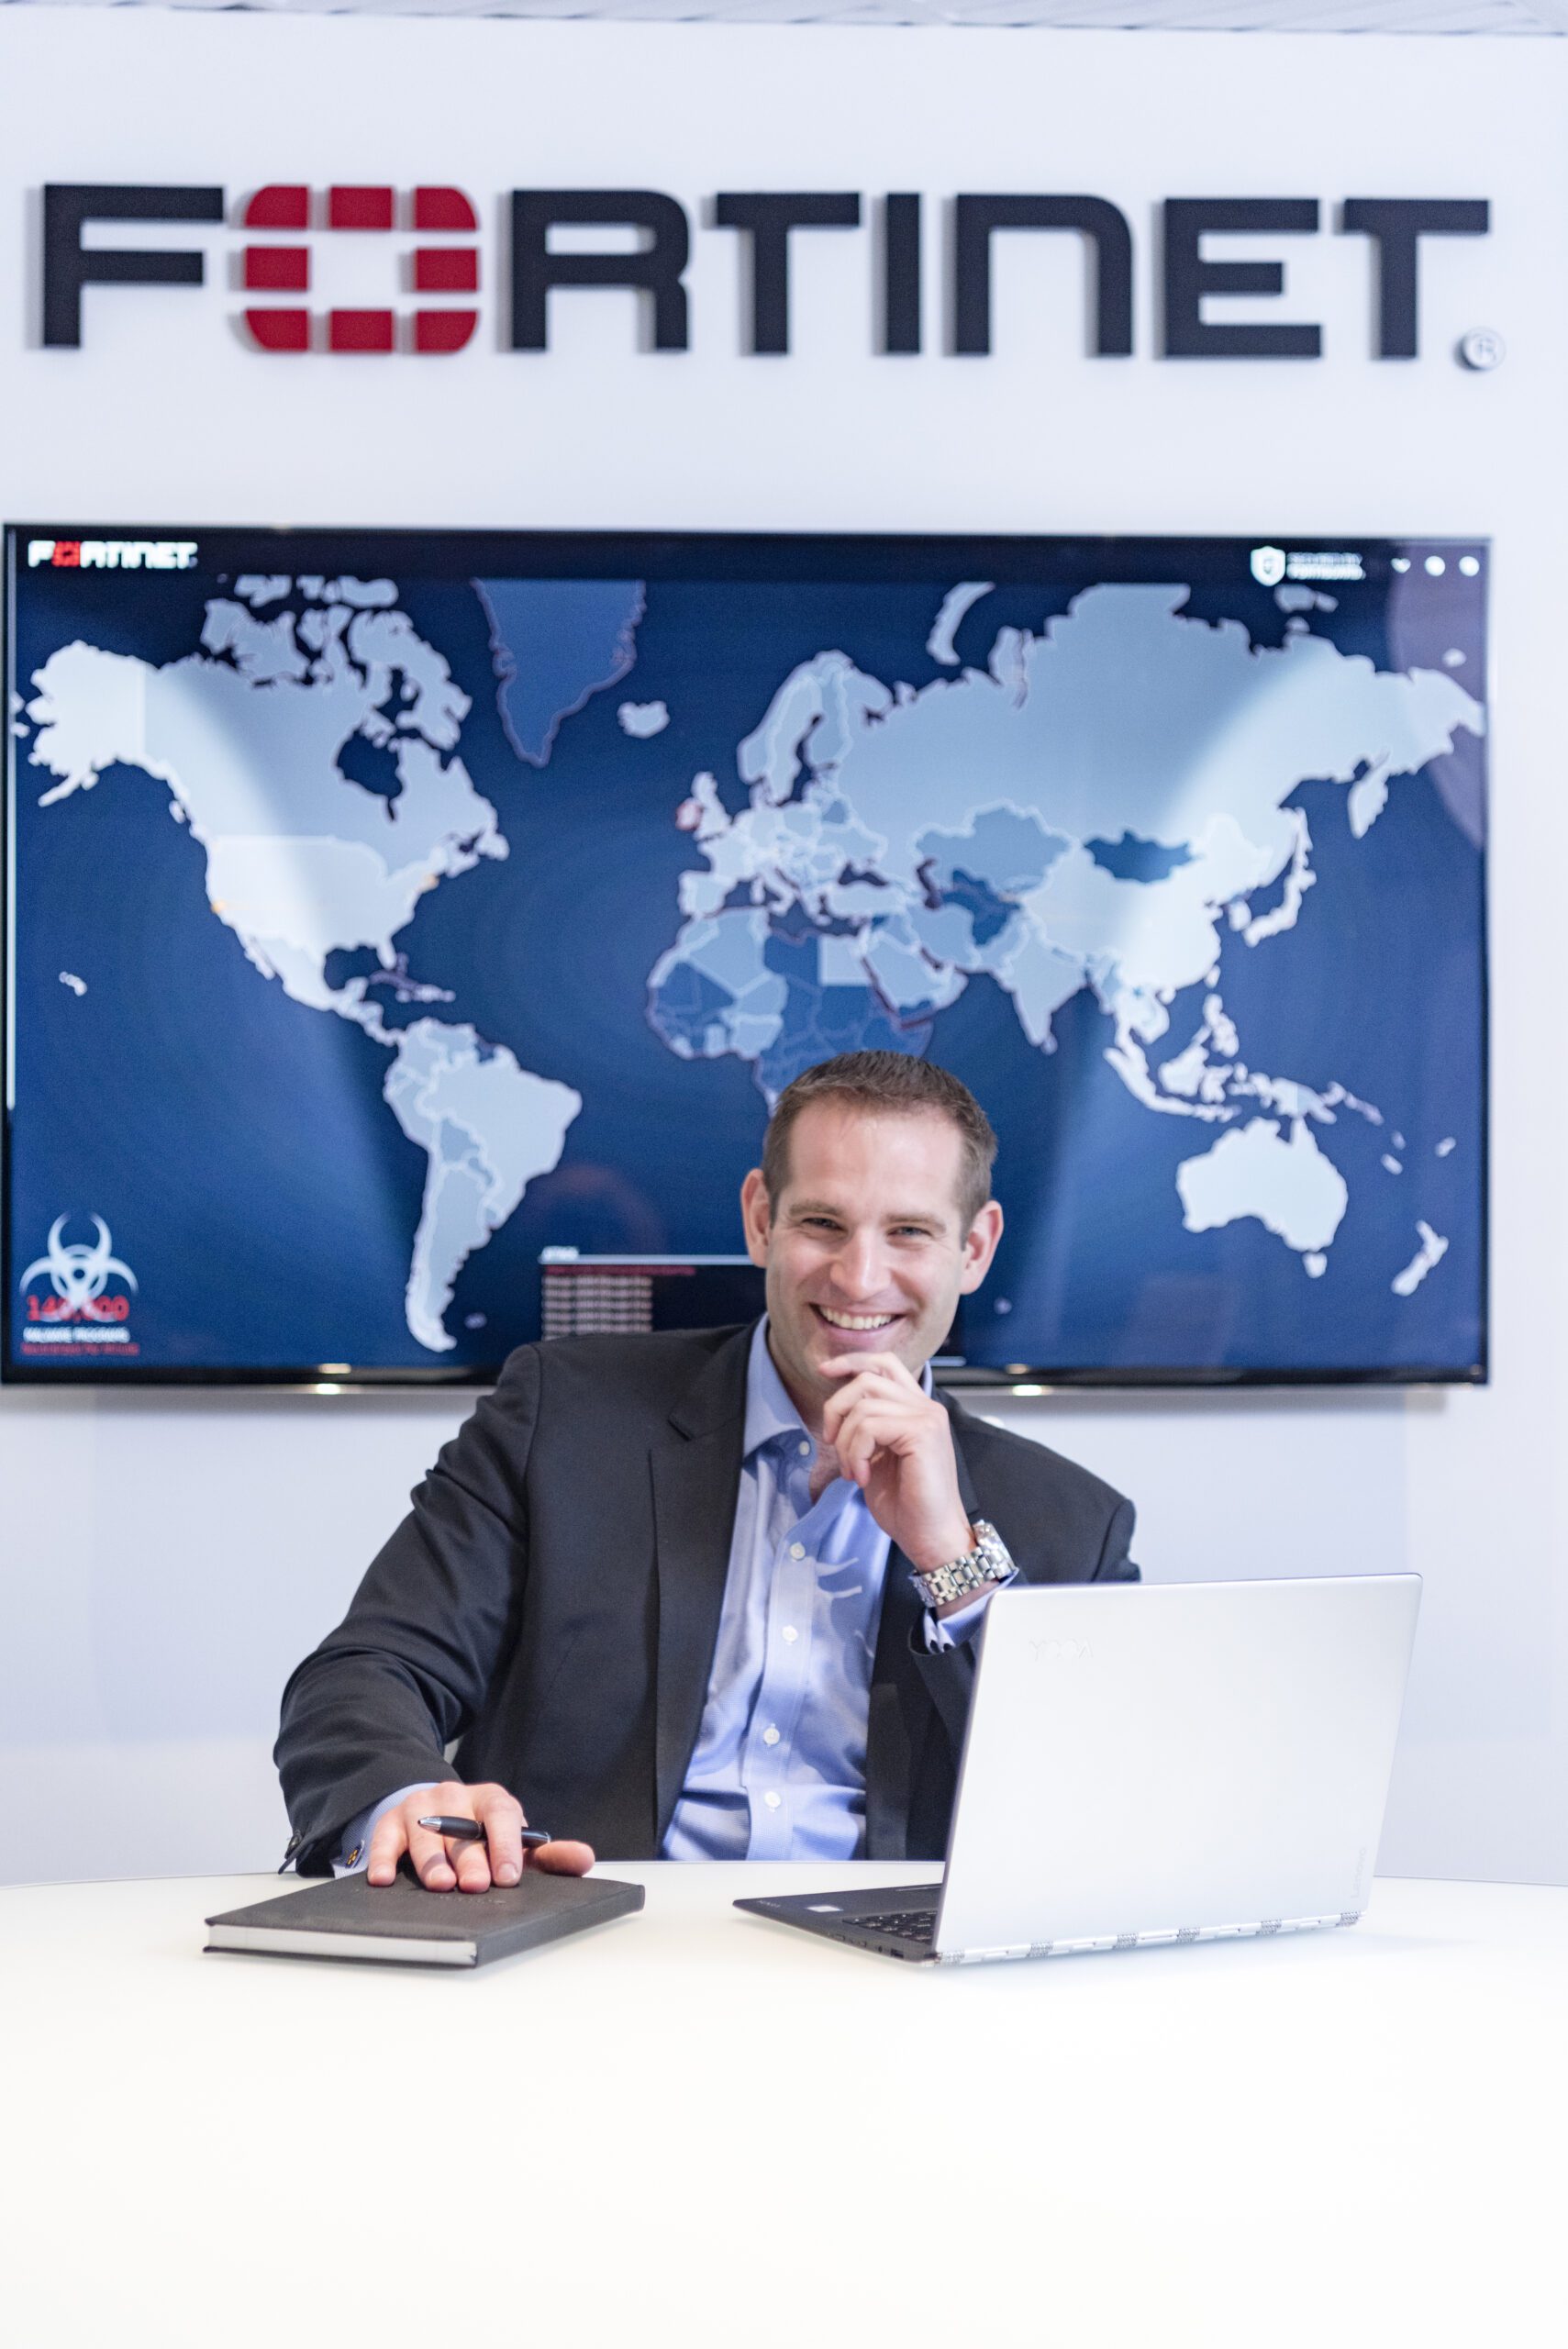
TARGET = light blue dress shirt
(778,1771)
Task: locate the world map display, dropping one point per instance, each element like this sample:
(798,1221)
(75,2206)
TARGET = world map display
(388,911)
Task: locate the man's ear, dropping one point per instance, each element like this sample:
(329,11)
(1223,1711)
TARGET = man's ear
(756,1215)
(981,1246)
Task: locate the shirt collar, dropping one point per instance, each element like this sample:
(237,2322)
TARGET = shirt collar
(770,1414)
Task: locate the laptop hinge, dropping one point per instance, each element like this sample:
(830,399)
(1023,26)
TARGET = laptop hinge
(1156,1937)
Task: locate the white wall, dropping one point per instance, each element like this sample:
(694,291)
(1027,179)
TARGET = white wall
(164,1559)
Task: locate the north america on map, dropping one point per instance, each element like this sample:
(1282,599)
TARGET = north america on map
(251,736)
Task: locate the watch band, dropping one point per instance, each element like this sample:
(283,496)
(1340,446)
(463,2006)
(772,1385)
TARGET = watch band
(988,1562)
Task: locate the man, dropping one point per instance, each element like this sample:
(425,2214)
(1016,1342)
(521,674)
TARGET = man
(710,1594)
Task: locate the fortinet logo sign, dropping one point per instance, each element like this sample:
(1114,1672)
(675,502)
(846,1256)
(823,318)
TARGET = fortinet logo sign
(435,252)
(112,554)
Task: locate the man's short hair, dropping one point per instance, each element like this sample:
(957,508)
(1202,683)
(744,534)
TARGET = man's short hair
(889,1084)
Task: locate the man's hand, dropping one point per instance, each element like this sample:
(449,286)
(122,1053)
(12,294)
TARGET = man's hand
(440,1862)
(895,1443)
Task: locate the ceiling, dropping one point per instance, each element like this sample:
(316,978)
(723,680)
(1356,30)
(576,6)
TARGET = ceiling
(1446,17)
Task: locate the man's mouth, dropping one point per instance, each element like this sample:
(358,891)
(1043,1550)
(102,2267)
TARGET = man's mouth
(855,1322)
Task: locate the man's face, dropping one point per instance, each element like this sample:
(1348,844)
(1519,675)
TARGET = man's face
(865,1249)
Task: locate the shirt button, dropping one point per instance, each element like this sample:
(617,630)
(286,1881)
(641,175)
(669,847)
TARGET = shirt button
(772,1800)
(805,1451)
(797,1549)
(770,1737)
(790,1632)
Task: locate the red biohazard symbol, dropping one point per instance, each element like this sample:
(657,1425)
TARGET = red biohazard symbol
(444,269)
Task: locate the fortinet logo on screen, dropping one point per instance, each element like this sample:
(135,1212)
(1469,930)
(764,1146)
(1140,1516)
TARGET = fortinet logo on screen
(112,554)
(435,253)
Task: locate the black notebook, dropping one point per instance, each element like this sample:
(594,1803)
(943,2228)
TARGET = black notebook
(402,1924)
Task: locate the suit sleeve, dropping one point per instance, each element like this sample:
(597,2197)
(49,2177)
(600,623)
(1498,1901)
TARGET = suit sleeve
(408,1667)
(1115,1565)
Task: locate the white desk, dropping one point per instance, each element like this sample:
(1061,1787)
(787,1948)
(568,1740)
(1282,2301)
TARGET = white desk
(694,2127)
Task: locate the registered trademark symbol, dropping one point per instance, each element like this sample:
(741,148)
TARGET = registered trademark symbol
(1482,349)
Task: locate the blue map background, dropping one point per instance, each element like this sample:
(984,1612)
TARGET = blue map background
(238,1143)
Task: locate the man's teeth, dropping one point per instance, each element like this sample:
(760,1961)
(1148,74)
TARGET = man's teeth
(856,1321)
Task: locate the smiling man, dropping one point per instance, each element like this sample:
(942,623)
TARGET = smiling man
(712,1594)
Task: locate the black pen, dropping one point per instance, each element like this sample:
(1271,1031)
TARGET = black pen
(470,1831)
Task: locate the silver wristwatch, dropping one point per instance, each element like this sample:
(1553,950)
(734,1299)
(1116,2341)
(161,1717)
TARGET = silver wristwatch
(988,1562)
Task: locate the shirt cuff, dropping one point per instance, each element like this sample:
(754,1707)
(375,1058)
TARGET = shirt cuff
(954,1629)
(354,1850)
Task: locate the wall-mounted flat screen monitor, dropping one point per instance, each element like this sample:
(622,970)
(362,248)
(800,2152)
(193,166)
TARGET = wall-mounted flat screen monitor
(397,922)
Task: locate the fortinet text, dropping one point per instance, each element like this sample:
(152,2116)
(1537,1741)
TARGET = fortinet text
(447,259)
(112,554)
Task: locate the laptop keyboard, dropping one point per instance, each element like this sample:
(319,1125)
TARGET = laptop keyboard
(908,1924)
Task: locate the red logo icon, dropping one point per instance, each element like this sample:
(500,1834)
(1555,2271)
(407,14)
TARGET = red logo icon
(446,268)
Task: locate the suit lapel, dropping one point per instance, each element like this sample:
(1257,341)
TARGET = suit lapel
(902,1716)
(966,1491)
(697,1477)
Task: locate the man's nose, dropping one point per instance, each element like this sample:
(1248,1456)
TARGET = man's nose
(860,1268)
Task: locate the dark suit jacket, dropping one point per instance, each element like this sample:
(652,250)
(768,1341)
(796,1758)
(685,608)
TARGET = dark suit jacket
(552,1601)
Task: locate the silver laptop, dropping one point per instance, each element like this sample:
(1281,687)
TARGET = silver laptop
(1156,1762)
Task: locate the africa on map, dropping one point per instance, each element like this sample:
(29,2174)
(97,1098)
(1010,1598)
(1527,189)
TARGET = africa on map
(401,909)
